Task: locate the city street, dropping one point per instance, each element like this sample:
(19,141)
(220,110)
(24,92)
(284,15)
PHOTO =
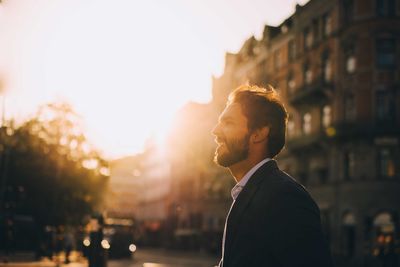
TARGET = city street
(166,258)
(142,258)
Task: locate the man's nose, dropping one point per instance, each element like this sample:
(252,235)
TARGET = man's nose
(215,130)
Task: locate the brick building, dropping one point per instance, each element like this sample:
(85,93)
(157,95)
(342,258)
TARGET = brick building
(336,65)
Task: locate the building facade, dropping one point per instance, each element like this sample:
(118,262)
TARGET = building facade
(335,64)
(139,190)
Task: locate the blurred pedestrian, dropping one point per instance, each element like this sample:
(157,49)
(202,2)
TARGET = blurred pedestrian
(273,221)
(9,239)
(69,242)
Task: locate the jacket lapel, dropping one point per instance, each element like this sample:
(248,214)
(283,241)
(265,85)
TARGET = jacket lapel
(244,199)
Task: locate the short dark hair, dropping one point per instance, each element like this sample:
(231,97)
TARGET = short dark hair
(263,107)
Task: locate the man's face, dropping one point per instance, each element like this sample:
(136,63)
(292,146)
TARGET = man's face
(232,136)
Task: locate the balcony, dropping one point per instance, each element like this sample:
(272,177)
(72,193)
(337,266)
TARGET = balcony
(310,141)
(369,130)
(345,132)
(318,92)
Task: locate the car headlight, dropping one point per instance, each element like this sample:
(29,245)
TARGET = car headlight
(132,248)
(86,242)
(105,244)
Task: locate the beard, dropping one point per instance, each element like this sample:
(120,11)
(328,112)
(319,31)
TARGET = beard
(236,151)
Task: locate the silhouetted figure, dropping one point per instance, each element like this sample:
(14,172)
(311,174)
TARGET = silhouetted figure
(68,245)
(97,254)
(9,239)
(273,220)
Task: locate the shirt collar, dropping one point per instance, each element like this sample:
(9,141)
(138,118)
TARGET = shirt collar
(239,186)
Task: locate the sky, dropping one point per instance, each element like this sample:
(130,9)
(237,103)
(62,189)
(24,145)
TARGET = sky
(126,66)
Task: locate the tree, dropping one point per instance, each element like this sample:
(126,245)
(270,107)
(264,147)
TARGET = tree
(54,174)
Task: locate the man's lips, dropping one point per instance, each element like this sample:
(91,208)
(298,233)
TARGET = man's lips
(219,142)
(220,145)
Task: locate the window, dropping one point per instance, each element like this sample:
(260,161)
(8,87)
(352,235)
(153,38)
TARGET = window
(326,69)
(384,223)
(348,11)
(348,234)
(291,128)
(350,59)
(351,64)
(349,108)
(291,50)
(326,66)
(326,116)
(308,75)
(386,53)
(308,38)
(326,25)
(349,165)
(385,107)
(307,123)
(315,29)
(277,59)
(291,83)
(385,8)
(386,163)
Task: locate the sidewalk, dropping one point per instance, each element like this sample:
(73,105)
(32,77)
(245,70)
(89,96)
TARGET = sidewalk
(26,259)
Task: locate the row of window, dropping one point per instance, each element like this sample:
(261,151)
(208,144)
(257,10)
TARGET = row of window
(379,231)
(306,126)
(322,27)
(385,161)
(308,75)
(309,36)
(319,28)
(383,8)
(385,167)
(385,112)
(385,107)
(385,59)
(385,55)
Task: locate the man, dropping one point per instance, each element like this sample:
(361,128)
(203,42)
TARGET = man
(273,221)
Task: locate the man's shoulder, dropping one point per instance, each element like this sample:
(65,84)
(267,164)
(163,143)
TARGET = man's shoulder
(281,185)
(280,180)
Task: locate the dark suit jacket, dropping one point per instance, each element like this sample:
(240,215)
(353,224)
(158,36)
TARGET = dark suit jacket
(274,223)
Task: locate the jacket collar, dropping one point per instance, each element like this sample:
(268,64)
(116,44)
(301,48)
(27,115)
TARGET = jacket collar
(244,199)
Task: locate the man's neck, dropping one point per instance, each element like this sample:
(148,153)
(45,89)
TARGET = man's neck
(240,169)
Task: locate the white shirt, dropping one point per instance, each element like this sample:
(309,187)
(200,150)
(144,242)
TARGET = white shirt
(239,186)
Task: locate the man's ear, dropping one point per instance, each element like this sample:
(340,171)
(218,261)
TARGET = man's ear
(260,134)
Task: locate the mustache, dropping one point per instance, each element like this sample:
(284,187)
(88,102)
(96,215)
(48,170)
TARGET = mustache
(219,140)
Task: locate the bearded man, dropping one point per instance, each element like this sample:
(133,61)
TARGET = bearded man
(273,220)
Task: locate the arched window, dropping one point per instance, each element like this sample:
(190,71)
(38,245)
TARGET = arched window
(348,233)
(383,223)
(383,237)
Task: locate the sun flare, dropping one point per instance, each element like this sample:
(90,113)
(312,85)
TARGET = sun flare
(125,66)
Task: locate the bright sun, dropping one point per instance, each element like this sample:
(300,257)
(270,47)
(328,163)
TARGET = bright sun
(127,80)
(125,66)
